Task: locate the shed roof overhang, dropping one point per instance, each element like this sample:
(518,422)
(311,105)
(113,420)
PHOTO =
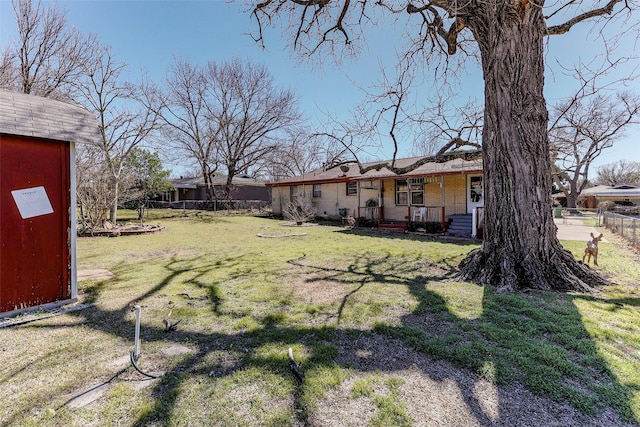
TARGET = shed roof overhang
(45,118)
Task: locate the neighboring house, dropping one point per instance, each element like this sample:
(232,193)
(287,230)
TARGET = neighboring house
(627,195)
(245,191)
(433,192)
(38,199)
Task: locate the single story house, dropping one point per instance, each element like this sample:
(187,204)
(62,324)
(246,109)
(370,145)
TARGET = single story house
(433,192)
(627,195)
(190,191)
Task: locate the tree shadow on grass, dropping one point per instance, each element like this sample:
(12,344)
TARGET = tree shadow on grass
(536,339)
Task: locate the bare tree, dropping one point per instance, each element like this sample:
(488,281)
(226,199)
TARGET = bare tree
(617,173)
(186,124)
(584,127)
(520,247)
(123,113)
(93,187)
(249,113)
(300,153)
(48,56)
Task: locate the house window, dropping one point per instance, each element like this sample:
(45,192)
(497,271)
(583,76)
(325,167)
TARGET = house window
(402,192)
(410,191)
(293,193)
(317,190)
(352,188)
(416,189)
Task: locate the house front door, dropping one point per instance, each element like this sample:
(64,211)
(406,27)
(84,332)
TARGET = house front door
(475,193)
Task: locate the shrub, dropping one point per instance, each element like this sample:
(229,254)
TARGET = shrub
(299,211)
(428,227)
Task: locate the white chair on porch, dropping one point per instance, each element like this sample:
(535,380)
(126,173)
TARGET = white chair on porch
(420,214)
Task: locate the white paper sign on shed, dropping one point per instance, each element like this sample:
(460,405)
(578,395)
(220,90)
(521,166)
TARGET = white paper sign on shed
(32,202)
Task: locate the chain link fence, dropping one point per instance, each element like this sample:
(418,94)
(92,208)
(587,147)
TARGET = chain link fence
(627,226)
(215,205)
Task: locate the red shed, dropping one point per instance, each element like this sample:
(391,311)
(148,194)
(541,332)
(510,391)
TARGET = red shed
(38,199)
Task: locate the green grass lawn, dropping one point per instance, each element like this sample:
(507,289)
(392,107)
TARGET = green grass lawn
(341,300)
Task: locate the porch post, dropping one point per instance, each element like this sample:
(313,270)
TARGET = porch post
(358,218)
(443,201)
(380,199)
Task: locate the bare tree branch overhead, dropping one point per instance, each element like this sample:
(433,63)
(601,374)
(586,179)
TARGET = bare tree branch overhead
(302,152)
(607,9)
(48,56)
(520,247)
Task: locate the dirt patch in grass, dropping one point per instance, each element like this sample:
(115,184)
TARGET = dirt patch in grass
(317,291)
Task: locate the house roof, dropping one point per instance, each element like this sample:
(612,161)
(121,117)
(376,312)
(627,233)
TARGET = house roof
(34,116)
(612,191)
(337,174)
(194,182)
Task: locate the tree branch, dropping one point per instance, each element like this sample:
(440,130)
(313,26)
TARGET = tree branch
(564,28)
(441,157)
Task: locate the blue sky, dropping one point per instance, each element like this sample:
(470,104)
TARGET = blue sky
(149,34)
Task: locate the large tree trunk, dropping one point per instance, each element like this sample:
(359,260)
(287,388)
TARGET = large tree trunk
(572,199)
(520,247)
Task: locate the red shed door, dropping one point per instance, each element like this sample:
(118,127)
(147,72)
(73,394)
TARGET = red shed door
(34,250)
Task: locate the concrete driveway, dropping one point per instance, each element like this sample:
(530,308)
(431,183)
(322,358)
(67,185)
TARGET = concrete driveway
(574,230)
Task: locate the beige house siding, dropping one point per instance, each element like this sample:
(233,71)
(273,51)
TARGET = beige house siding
(390,210)
(455,196)
(279,198)
(333,198)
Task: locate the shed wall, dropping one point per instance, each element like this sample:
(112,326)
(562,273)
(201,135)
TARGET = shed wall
(35,261)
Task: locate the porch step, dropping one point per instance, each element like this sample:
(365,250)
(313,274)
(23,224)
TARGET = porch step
(461,225)
(393,224)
